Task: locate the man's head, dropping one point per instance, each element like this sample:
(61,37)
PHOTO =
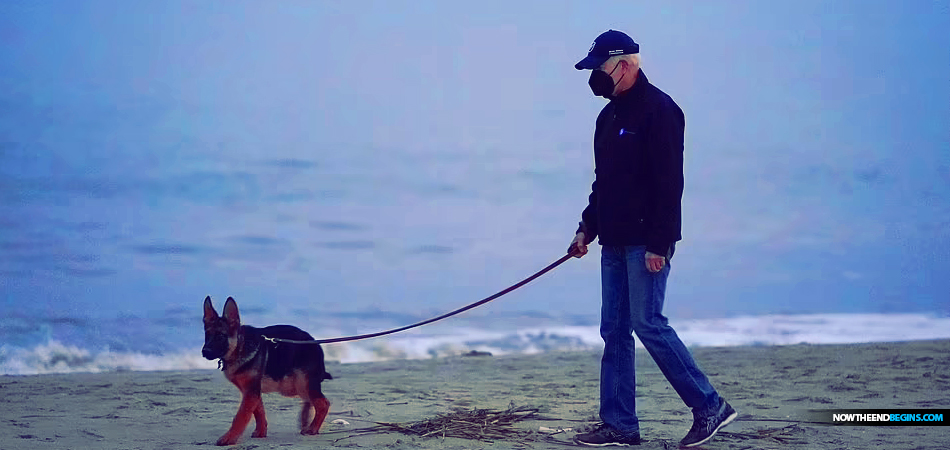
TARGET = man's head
(614,61)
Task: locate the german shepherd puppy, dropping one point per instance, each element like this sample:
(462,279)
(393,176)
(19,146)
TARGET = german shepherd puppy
(256,365)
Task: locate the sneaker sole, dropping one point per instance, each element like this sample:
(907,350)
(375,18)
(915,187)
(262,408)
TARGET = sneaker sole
(610,444)
(724,423)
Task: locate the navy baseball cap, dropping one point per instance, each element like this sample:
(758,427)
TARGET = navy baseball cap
(609,43)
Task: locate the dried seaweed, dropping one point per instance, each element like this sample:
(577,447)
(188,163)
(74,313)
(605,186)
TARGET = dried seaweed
(477,424)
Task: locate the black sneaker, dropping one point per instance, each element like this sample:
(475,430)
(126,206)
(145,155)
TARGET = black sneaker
(705,426)
(606,435)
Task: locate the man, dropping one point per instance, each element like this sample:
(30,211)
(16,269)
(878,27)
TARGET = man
(635,210)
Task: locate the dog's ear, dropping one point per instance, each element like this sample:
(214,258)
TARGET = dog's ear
(231,313)
(210,314)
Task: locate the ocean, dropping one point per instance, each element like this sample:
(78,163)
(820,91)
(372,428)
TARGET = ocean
(175,344)
(154,154)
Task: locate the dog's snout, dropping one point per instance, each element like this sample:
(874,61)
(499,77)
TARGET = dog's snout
(214,350)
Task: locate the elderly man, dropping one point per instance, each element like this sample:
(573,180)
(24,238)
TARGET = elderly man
(635,211)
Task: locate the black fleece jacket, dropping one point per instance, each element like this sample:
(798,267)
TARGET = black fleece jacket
(638,171)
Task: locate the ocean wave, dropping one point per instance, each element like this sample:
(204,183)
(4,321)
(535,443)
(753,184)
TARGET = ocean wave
(56,357)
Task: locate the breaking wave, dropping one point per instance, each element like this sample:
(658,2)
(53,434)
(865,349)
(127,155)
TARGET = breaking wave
(55,357)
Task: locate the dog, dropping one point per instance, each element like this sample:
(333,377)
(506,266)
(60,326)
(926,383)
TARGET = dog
(258,365)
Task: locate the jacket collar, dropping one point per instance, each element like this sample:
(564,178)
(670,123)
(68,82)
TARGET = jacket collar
(636,91)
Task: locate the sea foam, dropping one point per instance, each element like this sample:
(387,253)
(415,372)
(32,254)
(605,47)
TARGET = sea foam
(55,357)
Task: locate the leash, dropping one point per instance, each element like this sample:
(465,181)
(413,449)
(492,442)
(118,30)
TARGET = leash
(571,252)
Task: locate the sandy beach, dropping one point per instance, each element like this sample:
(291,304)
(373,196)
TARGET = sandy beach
(772,387)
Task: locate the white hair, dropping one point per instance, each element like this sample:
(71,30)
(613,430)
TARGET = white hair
(632,59)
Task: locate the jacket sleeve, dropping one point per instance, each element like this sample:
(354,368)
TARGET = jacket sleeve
(588,222)
(665,157)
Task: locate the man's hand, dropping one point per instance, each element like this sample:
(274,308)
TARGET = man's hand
(655,262)
(579,244)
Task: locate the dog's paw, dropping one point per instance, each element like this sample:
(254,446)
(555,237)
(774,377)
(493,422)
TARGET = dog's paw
(227,440)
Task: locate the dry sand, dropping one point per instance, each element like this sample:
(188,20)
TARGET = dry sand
(771,387)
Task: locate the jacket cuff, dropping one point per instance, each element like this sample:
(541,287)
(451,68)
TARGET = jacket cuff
(659,248)
(588,236)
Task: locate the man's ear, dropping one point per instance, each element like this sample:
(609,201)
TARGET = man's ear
(210,314)
(627,65)
(231,313)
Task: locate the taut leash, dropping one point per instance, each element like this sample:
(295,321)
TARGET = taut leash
(571,252)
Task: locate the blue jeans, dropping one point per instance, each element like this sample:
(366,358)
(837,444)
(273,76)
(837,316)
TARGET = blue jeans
(633,303)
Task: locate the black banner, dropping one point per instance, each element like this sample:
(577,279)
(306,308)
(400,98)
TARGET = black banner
(882,417)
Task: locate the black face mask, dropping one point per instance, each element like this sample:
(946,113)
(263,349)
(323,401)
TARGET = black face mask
(601,84)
